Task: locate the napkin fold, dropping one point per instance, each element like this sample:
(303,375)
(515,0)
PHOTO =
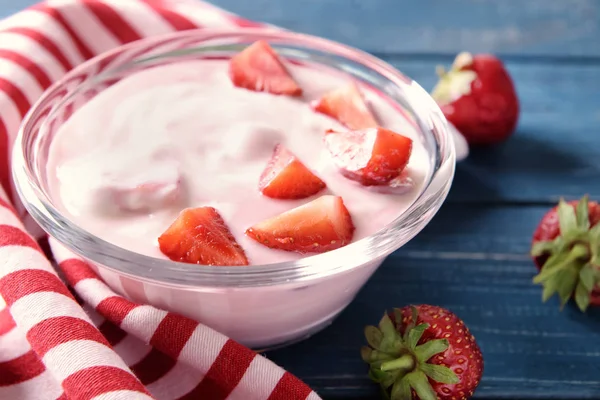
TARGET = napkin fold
(83,341)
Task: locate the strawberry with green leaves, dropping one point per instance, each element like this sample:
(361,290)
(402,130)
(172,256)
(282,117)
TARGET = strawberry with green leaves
(566,250)
(423,352)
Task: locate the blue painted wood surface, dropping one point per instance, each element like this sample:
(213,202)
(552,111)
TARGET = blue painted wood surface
(524,27)
(472,258)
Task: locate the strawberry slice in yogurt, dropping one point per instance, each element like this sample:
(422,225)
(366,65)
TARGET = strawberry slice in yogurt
(155,189)
(112,191)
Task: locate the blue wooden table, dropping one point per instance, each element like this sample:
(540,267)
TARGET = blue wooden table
(472,258)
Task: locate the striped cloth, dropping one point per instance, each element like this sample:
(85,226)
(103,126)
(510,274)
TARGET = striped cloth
(84,341)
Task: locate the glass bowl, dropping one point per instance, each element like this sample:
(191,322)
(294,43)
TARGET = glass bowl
(261,306)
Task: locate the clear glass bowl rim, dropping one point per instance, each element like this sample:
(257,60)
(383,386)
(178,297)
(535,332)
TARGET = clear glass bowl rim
(166,272)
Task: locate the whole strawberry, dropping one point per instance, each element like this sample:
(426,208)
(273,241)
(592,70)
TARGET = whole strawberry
(423,352)
(478,97)
(566,250)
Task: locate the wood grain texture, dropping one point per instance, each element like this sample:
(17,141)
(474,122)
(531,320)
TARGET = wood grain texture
(559,28)
(8,7)
(525,27)
(555,150)
(472,260)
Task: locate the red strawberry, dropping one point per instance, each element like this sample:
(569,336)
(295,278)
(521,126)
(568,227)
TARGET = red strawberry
(566,250)
(478,96)
(323,224)
(200,236)
(434,358)
(348,106)
(259,68)
(285,177)
(371,156)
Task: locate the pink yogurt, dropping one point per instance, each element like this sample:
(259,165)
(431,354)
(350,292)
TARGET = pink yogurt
(181,135)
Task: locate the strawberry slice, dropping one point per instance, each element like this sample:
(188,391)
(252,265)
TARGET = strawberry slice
(285,177)
(259,68)
(323,224)
(348,106)
(200,236)
(370,156)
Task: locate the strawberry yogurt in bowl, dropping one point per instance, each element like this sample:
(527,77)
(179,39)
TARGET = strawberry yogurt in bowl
(252,180)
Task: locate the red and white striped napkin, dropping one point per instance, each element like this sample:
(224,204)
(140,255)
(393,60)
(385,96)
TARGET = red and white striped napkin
(83,341)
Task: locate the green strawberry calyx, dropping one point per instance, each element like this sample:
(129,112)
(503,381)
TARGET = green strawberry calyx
(573,265)
(455,83)
(399,364)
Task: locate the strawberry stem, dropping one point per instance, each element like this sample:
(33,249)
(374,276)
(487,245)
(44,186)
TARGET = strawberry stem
(407,362)
(420,384)
(578,252)
(582,213)
(440,71)
(399,363)
(569,268)
(431,348)
(454,83)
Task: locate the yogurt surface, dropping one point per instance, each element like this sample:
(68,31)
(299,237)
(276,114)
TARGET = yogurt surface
(181,135)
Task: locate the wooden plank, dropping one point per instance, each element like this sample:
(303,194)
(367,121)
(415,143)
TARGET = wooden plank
(9,7)
(557,146)
(556,149)
(472,260)
(528,27)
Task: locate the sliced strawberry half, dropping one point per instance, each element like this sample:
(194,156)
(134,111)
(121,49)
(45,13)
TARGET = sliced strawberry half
(200,236)
(348,106)
(322,225)
(369,156)
(259,68)
(286,177)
